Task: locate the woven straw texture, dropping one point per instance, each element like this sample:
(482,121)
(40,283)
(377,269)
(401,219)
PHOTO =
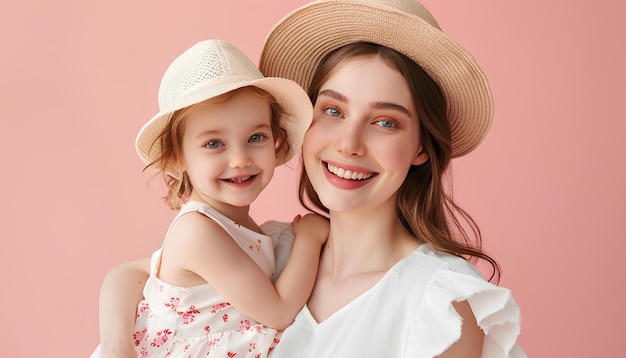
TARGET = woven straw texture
(295,46)
(211,68)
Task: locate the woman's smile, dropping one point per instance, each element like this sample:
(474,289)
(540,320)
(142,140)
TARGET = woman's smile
(364,136)
(349,174)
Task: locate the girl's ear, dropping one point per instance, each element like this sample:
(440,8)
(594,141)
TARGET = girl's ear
(420,158)
(277,144)
(280,152)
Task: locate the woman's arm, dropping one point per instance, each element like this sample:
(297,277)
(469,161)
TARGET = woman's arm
(121,291)
(471,342)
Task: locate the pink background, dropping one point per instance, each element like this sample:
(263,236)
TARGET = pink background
(79,78)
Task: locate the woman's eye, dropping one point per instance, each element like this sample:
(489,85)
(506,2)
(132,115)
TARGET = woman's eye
(386,123)
(214,144)
(256,138)
(332,111)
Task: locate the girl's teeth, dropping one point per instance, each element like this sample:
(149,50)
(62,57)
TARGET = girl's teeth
(348,174)
(240,180)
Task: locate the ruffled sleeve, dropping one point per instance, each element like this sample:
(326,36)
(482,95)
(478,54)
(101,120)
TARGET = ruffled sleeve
(437,325)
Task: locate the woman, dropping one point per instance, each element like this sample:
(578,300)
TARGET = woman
(395,99)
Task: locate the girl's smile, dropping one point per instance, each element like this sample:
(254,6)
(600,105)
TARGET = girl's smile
(240,180)
(229,150)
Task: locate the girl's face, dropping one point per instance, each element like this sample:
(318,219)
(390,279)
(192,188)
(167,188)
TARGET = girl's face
(364,137)
(228,150)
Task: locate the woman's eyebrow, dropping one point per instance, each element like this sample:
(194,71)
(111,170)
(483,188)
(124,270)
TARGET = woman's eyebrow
(376,105)
(333,94)
(392,106)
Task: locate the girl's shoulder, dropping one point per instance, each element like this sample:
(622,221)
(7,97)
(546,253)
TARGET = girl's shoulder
(200,228)
(194,231)
(203,208)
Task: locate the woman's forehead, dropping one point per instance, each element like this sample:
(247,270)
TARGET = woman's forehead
(368,79)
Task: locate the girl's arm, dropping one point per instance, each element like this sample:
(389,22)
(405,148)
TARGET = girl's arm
(121,291)
(199,245)
(471,342)
(298,277)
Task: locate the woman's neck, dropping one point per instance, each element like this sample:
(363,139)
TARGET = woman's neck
(362,243)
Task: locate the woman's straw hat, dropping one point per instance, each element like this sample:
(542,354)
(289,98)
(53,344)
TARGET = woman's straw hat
(211,68)
(296,44)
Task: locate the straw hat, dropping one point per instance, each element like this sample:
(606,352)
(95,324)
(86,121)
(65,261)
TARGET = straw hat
(296,44)
(211,68)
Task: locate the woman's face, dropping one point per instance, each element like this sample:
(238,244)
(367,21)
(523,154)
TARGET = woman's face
(364,136)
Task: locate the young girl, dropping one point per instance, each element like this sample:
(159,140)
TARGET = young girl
(221,131)
(395,99)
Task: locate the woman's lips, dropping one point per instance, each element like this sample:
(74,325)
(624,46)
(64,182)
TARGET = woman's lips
(347,177)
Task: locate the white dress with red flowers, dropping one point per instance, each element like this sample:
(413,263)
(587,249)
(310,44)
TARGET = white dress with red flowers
(197,321)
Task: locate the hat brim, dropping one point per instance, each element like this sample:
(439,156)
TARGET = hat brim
(296,45)
(293,100)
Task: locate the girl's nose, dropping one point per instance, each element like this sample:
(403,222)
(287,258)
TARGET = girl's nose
(239,158)
(350,139)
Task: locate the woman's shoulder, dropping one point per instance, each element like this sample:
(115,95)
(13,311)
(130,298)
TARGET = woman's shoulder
(447,279)
(277,229)
(282,238)
(426,263)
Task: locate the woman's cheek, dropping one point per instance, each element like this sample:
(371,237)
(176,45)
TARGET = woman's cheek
(311,139)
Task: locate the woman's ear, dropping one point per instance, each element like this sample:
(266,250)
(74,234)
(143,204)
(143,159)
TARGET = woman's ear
(420,158)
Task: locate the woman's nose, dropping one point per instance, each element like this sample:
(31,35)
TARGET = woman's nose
(350,139)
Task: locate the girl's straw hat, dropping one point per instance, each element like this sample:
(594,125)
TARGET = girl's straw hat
(211,68)
(295,46)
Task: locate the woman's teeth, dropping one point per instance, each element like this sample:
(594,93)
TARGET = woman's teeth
(348,174)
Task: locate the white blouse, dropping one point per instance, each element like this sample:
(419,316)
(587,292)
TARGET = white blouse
(409,313)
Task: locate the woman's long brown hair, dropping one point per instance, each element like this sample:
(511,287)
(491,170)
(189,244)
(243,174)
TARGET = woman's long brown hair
(424,208)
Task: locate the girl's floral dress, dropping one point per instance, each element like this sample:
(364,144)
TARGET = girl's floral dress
(197,321)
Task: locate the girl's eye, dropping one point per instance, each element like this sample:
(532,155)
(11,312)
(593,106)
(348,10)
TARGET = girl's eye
(387,123)
(214,144)
(332,111)
(256,138)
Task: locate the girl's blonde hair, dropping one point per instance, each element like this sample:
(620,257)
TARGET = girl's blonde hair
(424,208)
(170,162)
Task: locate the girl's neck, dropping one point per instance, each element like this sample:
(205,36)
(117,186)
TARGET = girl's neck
(362,243)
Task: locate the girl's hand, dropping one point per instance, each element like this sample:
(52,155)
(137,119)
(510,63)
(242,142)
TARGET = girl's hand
(311,227)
